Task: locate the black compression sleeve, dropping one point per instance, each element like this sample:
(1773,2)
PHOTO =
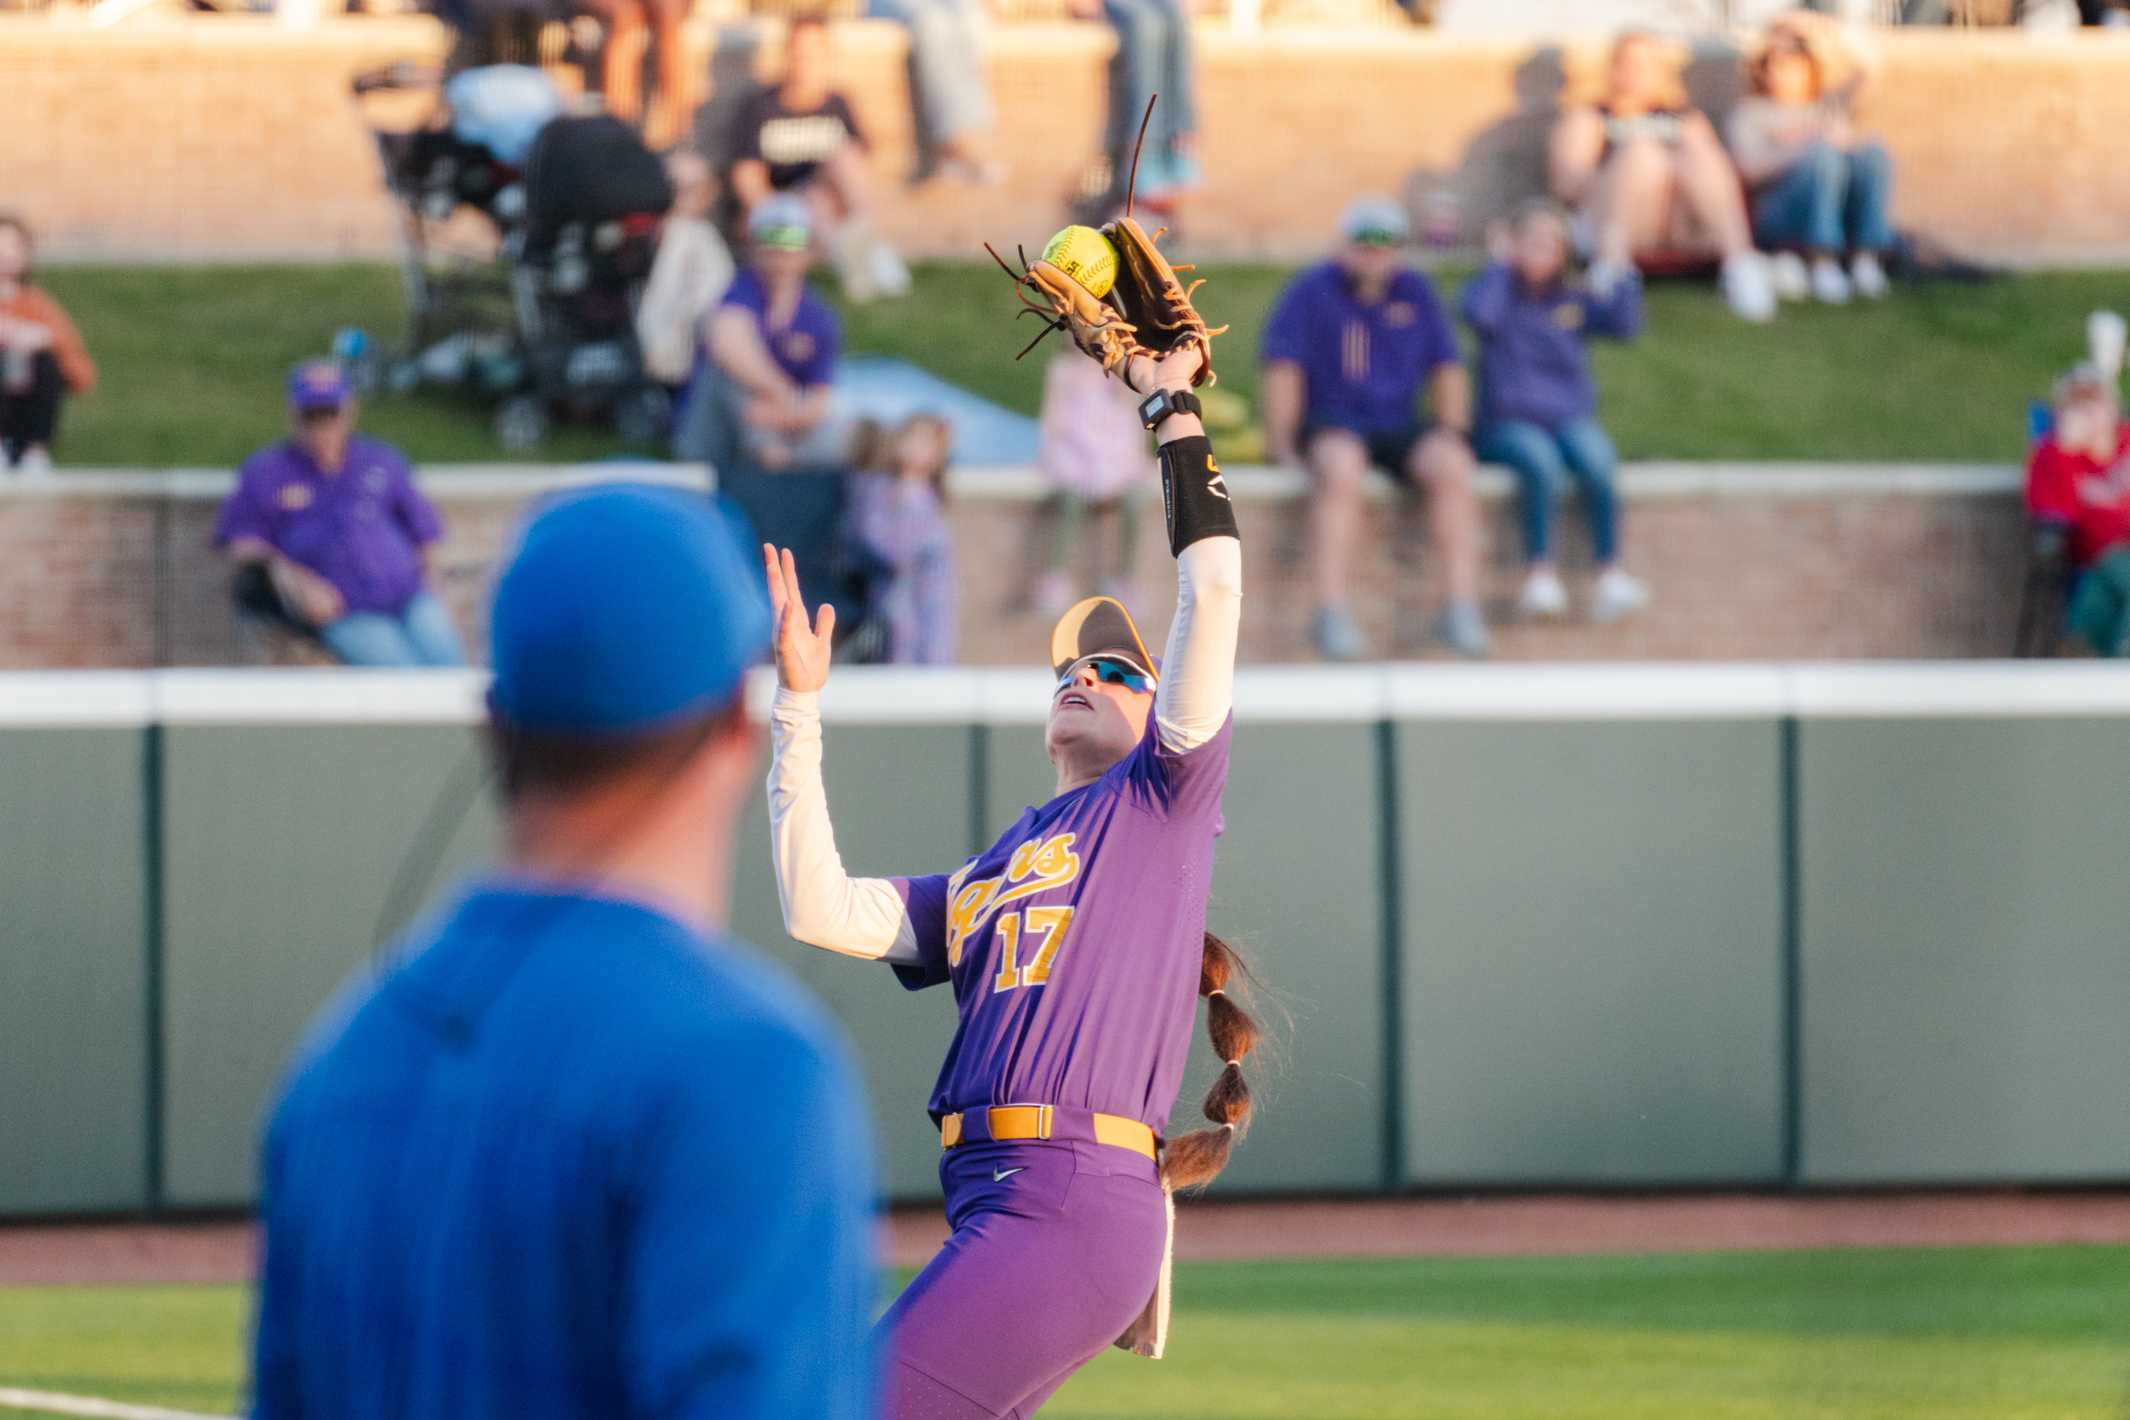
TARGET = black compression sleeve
(1194,496)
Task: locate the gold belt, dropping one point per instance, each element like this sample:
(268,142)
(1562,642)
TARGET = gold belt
(1038,1121)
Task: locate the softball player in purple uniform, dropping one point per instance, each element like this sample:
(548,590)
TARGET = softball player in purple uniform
(1076,946)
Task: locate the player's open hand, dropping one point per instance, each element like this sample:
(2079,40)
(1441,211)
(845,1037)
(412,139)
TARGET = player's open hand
(802,647)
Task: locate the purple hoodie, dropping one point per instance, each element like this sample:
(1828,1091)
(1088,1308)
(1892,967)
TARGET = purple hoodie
(1532,362)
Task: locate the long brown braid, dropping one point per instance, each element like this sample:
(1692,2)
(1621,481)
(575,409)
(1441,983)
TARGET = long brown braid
(1194,1160)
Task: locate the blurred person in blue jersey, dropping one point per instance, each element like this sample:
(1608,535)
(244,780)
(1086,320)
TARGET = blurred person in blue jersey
(575,1152)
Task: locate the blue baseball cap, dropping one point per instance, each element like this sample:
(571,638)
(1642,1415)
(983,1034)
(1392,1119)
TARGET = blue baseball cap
(781,222)
(318,384)
(625,609)
(1375,220)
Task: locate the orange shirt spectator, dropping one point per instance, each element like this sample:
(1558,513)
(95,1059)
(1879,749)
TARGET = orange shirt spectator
(41,357)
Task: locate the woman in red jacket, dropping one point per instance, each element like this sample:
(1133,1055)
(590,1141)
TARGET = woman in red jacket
(2079,479)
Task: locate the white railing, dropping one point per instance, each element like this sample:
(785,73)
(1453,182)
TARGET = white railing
(1009,696)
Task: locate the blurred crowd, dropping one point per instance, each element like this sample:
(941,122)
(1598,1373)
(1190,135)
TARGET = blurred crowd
(664,253)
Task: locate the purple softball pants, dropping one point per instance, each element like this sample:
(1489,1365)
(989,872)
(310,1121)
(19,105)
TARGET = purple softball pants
(1055,1250)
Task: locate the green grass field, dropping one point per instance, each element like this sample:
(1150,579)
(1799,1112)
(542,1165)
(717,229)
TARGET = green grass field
(193,360)
(1951,1332)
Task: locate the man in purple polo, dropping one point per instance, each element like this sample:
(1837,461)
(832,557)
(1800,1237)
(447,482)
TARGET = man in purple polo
(764,394)
(1347,352)
(335,521)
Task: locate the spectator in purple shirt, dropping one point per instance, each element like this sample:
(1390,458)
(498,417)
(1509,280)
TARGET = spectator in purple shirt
(336,523)
(1538,402)
(1347,351)
(764,393)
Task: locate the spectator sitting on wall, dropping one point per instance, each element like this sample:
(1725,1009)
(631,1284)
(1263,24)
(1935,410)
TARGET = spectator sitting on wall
(2079,479)
(800,136)
(337,524)
(1648,176)
(1092,451)
(764,393)
(1819,188)
(1538,400)
(42,358)
(950,100)
(629,24)
(1346,352)
(690,274)
(898,517)
(1153,55)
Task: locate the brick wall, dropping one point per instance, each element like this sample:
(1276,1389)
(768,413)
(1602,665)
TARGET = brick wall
(236,138)
(1746,564)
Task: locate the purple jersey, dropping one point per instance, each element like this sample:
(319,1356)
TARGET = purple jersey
(1074,941)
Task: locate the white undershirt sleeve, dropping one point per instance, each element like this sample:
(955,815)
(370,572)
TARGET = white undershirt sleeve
(823,906)
(1197,689)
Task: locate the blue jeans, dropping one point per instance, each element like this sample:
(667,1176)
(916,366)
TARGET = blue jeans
(947,94)
(1153,57)
(1829,201)
(1544,459)
(421,635)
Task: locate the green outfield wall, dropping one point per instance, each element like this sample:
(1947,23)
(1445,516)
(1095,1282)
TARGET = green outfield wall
(1769,926)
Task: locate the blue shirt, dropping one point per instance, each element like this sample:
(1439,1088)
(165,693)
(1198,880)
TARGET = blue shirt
(807,347)
(1533,362)
(1363,363)
(568,1160)
(362,528)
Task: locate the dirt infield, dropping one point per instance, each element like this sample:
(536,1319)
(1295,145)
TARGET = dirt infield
(46,1254)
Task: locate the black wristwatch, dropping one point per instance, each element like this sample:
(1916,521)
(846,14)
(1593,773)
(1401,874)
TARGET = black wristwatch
(1162,403)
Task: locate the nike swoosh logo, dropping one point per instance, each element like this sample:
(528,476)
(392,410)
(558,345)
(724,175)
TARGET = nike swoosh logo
(1001,1175)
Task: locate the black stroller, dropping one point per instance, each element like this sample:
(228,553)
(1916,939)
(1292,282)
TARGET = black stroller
(522,278)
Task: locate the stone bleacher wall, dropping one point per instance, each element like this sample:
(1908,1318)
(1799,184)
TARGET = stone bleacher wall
(236,139)
(115,570)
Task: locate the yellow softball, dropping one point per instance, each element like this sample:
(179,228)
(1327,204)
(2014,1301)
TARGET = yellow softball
(1086,256)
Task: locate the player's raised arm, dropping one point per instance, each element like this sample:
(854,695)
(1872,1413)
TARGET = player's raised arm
(823,906)
(1197,689)
(1127,309)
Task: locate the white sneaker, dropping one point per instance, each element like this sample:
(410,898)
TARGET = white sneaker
(1746,287)
(1617,595)
(1336,636)
(1463,630)
(1787,274)
(34,462)
(1830,286)
(1543,594)
(1868,277)
(889,276)
(854,268)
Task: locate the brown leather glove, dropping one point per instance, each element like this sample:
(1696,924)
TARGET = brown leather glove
(1154,301)
(1148,312)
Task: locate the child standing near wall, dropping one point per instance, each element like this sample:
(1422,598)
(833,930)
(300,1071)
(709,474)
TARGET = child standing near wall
(898,516)
(1093,453)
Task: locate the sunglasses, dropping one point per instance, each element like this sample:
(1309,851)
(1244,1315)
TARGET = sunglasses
(1375,237)
(1111,672)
